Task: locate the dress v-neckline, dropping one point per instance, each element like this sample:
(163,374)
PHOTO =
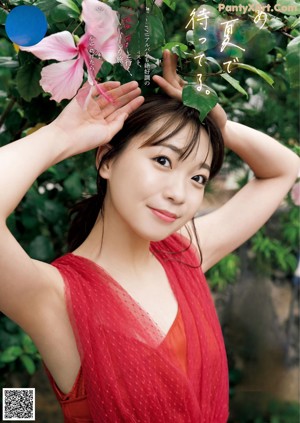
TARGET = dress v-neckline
(164,335)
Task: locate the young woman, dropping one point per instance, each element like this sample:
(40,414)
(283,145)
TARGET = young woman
(125,323)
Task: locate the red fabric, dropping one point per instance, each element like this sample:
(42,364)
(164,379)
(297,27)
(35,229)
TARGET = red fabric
(74,404)
(130,374)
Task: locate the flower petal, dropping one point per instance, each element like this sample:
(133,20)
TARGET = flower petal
(92,71)
(58,46)
(100,21)
(109,49)
(102,32)
(63,79)
(113,52)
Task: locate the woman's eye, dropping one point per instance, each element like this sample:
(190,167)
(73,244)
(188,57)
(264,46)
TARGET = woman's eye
(163,161)
(202,180)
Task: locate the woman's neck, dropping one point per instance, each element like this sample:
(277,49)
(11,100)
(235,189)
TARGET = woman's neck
(111,245)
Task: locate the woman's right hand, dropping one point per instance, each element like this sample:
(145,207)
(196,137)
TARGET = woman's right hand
(171,83)
(90,120)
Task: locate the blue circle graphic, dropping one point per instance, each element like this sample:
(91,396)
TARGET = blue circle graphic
(26,25)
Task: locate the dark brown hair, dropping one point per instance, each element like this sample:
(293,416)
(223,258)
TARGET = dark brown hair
(175,116)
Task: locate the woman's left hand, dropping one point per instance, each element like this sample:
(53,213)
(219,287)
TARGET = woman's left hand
(172,84)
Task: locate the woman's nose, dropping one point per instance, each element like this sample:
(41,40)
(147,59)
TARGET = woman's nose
(176,190)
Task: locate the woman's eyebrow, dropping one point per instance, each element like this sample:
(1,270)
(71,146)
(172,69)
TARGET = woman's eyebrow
(180,152)
(177,150)
(204,166)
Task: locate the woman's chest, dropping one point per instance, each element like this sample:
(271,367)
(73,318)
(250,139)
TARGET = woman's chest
(154,294)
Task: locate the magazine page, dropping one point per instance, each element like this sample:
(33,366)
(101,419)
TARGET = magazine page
(102,174)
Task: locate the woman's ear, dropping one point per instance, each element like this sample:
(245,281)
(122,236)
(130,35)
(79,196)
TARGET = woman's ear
(104,170)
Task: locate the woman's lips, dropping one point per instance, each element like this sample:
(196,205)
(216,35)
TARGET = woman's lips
(164,215)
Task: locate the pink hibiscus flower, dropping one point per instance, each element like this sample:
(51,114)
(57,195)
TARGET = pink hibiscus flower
(100,42)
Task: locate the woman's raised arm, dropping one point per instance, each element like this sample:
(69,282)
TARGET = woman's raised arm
(275,169)
(87,122)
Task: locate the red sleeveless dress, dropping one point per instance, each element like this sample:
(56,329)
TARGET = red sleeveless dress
(131,372)
(74,404)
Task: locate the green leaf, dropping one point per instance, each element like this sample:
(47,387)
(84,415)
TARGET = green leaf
(288,7)
(157,53)
(62,13)
(136,71)
(172,44)
(156,31)
(46,6)
(235,83)
(105,70)
(258,47)
(10,354)
(151,26)
(275,24)
(213,60)
(8,62)
(156,11)
(190,37)
(292,62)
(259,72)
(28,363)
(28,345)
(170,3)
(296,23)
(199,99)
(133,4)
(71,5)
(28,77)
(3,16)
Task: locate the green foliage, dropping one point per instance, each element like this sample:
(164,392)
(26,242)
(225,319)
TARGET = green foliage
(273,253)
(224,272)
(27,80)
(293,63)
(18,353)
(274,412)
(279,250)
(203,101)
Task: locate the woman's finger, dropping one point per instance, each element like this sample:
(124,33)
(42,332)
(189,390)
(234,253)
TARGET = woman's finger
(116,93)
(120,102)
(170,89)
(127,109)
(109,85)
(218,115)
(104,86)
(99,107)
(169,66)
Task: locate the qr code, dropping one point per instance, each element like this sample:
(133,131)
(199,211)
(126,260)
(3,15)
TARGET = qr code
(18,404)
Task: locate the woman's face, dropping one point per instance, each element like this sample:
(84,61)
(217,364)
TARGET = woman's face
(150,190)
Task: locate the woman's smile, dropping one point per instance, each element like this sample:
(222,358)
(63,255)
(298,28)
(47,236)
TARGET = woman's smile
(164,215)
